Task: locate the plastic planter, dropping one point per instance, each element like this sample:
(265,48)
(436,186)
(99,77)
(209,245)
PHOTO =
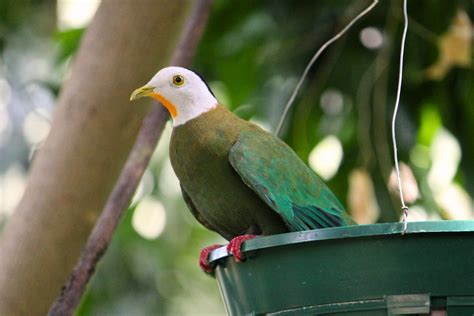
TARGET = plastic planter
(355,270)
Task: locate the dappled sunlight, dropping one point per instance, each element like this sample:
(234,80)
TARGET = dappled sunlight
(454,46)
(361,198)
(445,153)
(455,202)
(145,187)
(419,213)
(420,156)
(75,13)
(149,218)
(12,186)
(409,184)
(326,157)
(371,37)
(332,102)
(35,128)
(161,150)
(169,183)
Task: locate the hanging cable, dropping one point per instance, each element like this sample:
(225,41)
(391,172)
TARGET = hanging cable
(394,118)
(315,57)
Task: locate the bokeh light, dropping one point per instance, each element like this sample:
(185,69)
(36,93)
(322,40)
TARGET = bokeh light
(455,202)
(361,198)
(445,154)
(12,186)
(418,213)
(332,101)
(75,13)
(149,218)
(326,157)
(371,37)
(420,156)
(35,128)
(169,183)
(145,187)
(409,185)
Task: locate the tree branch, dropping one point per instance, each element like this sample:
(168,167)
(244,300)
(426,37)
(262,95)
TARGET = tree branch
(129,179)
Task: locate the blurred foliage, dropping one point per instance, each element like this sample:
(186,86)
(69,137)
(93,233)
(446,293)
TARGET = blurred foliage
(252,55)
(281,37)
(14,13)
(68,42)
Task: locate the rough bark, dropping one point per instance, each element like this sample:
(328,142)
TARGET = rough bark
(93,130)
(130,177)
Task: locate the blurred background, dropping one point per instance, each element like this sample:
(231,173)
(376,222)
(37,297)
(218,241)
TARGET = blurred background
(252,55)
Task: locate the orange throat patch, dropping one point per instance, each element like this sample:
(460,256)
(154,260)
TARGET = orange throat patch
(166,103)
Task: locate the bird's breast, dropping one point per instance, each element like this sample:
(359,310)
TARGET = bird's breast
(200,147)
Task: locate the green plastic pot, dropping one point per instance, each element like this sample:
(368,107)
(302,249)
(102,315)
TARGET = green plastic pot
(355,270)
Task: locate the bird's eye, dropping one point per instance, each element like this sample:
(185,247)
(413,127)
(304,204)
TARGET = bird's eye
(178,80)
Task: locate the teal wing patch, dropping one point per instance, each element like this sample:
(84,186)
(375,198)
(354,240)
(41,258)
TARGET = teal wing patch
(286,184)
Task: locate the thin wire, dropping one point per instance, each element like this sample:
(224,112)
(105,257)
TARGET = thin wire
(394,118)
(315,57)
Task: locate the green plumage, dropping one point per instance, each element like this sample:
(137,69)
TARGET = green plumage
(238,179)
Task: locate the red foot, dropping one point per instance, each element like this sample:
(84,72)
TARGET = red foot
(235,246)
(204,261)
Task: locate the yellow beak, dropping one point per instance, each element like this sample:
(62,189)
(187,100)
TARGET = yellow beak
(141,92)
(148,91)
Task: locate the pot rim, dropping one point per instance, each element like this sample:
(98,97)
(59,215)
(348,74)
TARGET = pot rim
(346,232)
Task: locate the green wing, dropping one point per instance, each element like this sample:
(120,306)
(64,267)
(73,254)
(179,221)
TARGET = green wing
(286,184)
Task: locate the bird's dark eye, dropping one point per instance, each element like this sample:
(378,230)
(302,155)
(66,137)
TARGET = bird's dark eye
(178,80)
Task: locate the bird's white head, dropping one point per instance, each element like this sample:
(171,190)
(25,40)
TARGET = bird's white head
(181,91)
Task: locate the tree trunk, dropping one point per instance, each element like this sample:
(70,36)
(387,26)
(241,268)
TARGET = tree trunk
(131,174)
(93,130)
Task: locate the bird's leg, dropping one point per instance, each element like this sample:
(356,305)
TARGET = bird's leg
(204,259)
(235,246)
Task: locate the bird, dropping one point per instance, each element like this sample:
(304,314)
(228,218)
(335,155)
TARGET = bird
(236,178)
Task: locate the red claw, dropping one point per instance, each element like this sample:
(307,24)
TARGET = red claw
(204,259)
(235,246)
